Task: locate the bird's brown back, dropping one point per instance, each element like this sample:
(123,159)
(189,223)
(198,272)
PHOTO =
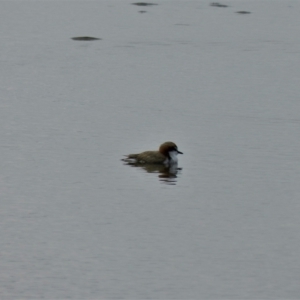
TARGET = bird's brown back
(150,157)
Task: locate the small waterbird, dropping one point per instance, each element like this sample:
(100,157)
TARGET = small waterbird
(166,154)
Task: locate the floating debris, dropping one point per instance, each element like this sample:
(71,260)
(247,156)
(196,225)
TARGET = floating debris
(243,12)
(143,4)
(216,4)
(85,38)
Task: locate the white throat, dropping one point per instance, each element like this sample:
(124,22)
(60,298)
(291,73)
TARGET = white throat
(173,156)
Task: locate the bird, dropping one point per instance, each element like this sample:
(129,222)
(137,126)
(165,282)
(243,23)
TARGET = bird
(166,155)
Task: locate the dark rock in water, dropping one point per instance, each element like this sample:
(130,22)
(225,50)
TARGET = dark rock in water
(243,12)
(85,38)
(216,4)
(143,4)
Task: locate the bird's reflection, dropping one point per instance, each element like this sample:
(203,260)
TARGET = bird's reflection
(166,174)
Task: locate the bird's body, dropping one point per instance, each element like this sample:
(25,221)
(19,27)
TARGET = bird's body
(167,154)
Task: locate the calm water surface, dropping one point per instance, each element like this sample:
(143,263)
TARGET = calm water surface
(76,222)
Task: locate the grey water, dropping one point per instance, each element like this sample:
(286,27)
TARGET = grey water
(78,223)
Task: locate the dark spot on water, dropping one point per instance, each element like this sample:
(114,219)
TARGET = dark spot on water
(243,12)
(143,4)
(85,38)
(216,4)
